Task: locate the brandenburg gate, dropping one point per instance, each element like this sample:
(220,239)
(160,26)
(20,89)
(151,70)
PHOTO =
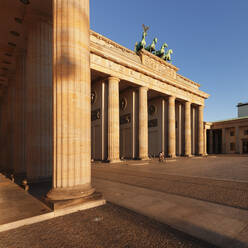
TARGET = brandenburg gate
(70,95)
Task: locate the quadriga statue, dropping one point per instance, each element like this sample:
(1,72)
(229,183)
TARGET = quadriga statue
(142,43)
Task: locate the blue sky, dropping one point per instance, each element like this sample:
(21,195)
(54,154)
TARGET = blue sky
(209,39)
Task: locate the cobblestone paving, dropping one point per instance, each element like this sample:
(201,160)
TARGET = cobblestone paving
(169,178)
(104,227)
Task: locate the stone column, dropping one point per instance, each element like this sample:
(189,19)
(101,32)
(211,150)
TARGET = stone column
(223,141)
(205,142)
(179,129)
(163,126)
(38,99)
(113,120)
(200,130)
(193,131)
(188,129)
(71,101)
(171,127)
(143,123)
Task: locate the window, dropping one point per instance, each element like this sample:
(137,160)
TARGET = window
(232,146)
(231,133)
(246,132)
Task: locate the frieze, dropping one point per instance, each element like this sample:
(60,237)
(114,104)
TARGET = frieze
(150,82)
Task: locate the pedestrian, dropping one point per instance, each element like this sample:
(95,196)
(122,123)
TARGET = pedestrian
(161,157)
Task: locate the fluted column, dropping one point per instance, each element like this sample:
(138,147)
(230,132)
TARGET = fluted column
(113,120)
(143,123)
(19,116)
(179,126)
(205,153)
(187,129)
(171,127)
(200,131)
(38,99)
(71,100)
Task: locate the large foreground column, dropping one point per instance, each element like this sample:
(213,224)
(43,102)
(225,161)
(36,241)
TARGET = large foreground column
(71,104)
(143,123)
(187,129)
(113,120)
(200,130)
(171,127)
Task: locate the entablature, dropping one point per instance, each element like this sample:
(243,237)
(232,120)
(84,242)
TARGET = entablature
(144,63)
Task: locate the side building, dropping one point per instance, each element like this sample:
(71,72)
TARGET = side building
(229,136)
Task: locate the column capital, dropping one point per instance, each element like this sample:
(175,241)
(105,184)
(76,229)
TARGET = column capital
(143,88)
(172,97)
(113,78)
(201,107)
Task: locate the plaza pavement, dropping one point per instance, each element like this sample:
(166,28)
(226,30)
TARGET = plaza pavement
(204,197)
(107,226)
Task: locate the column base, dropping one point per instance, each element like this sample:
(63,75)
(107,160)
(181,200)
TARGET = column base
(144,158)
(172,155)
(70,193)
(188,155)
(93,200)
(112,161)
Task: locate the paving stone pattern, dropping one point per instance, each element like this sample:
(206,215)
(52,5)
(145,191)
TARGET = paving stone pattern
(103,227)
(203,179)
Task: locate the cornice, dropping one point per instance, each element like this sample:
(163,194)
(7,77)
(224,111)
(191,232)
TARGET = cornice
(230,122)
(188,80)
(107,40)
